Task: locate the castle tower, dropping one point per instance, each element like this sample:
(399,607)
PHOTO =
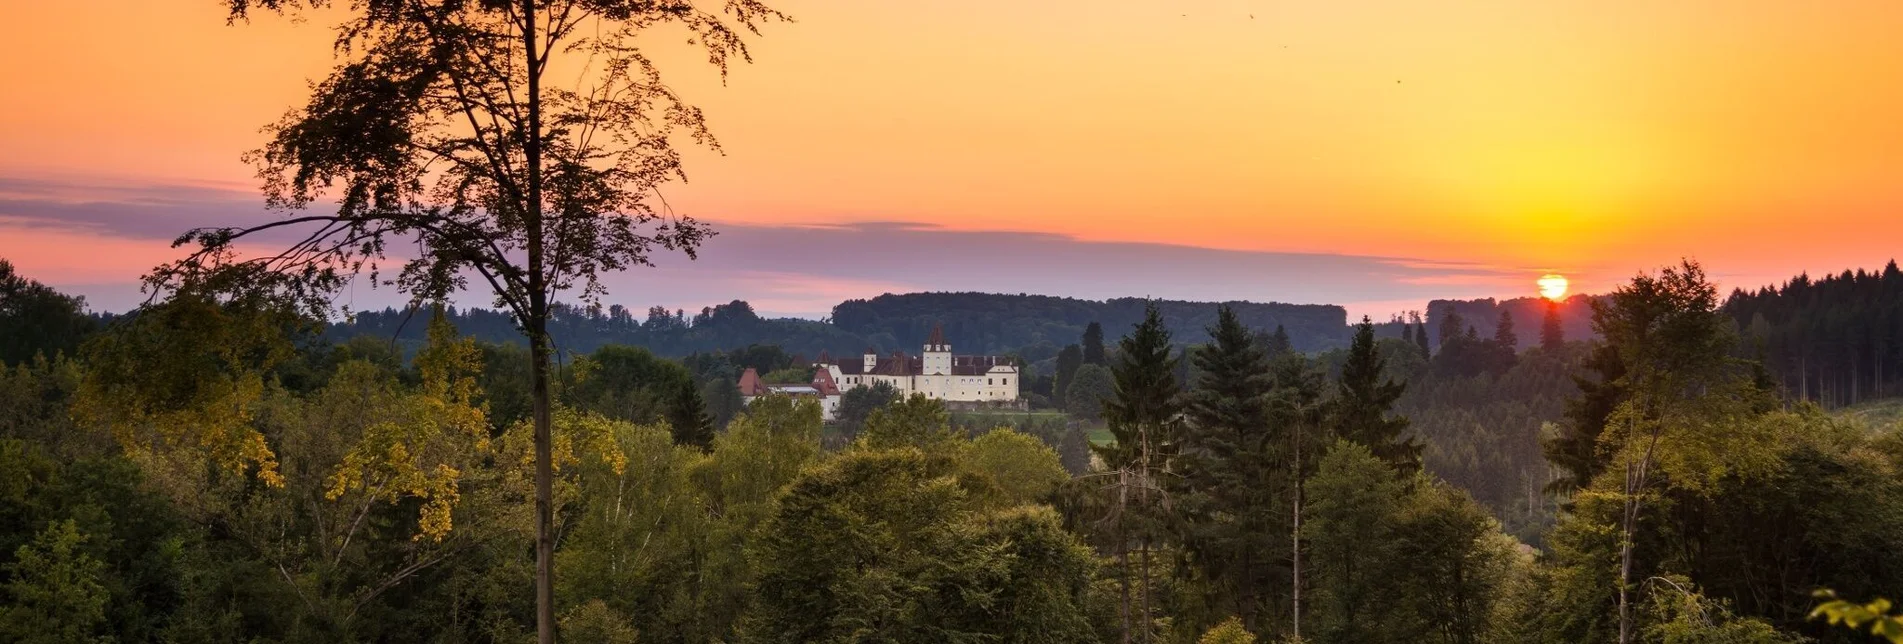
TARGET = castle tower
(937,353)
(872,360)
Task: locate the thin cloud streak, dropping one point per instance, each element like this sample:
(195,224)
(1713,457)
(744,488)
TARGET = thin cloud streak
(98,241)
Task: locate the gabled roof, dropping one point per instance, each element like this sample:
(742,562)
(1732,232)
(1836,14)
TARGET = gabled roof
(938,335)
(750,383)
(823,382)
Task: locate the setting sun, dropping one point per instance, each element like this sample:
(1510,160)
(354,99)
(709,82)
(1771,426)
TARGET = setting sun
(1552,287)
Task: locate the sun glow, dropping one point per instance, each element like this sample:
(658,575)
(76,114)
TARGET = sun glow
(1552,287)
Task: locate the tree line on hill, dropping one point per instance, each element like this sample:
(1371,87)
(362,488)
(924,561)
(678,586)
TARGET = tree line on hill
(1837,340)
(1033,326)
(219,470)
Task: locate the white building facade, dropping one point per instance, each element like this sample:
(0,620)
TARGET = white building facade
(935,373)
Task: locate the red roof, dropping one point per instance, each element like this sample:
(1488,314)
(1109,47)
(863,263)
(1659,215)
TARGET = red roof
(938,335)
(823,381)
(750,383)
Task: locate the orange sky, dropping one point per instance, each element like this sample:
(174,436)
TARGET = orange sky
(1595,138)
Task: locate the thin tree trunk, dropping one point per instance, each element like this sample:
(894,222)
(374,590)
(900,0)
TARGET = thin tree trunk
(539,345)
(1145,623)
(1296,586)
(1635,479)
(1123,585)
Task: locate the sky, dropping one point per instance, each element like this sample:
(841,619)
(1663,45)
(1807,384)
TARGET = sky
(1370,153)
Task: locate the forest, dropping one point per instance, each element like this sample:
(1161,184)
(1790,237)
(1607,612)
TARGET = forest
(1034,326)
(215,470)
(239,460)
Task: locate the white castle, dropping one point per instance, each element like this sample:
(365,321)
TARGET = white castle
(935,373)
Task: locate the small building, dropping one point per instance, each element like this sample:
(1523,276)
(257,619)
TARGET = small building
(822,389)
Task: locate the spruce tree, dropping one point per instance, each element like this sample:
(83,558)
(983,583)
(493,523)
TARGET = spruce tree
(1144,411)
(1093,344)
(1068,360)
(1231,494)
(688,420)
(1142,416)
(1503,334)
(1278,343)
(1420,340)
(1361,411)
(1552,336)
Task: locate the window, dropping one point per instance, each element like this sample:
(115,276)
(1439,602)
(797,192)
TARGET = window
(989,382)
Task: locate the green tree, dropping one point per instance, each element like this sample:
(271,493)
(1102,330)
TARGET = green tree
(1362,411)
(37,320)
(1230,631)
(1093,344)
(688,419)
(636,545)
(54,591)
(626,383)
(1142,416)
(1686,397)
(1232,494)
(1575,448)
(1074,451)
(763,450)
(1023,469)
(723,400)
(436,128)
(1503,334)
(1350,522)
(1069,359)
(858,403)
(1452,566)
(884,546)
(916,421)
(1552,335)
(1089,389)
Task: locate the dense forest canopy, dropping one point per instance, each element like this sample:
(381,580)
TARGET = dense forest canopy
(206,471)
(1837,340)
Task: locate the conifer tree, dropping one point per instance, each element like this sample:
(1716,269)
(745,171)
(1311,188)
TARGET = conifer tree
(1450,327)
(1142,416)
(1420,340)
(1552,336)
(1361,411)
(1093,344)
(1068,360)
(688,420)
(1233,478)
(1503,334)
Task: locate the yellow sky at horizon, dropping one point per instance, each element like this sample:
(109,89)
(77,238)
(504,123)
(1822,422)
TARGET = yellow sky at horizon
(1573,136)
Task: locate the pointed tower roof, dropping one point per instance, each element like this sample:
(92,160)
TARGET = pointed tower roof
(750,383)
(938,334)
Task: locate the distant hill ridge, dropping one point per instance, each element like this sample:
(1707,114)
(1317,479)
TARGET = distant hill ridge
(1034,325)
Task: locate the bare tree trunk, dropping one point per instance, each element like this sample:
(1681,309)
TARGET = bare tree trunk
(1635,479)
(1146,620)
(1296,586)
(1123,585)
(539,345)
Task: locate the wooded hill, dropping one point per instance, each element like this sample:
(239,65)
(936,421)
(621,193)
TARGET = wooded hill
(1037,326)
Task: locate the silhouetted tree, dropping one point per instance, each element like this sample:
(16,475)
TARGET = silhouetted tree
(688,420)
(1093,344)
(1362,410)
(1503,334)
(1552,335)
(1068,360)
(436,131)
(37,320)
